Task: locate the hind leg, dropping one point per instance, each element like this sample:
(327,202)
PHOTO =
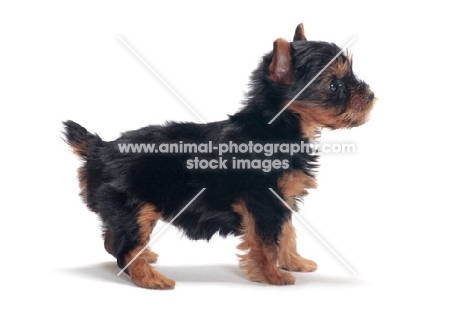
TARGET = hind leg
(128,241)
(108,241)
(147,254)
(150,256)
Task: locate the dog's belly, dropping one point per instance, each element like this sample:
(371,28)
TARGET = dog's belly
(202,222)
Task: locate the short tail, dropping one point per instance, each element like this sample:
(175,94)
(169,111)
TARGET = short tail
(80,140)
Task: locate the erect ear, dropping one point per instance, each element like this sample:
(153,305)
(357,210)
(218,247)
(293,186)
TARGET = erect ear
(299,34)
(280,67)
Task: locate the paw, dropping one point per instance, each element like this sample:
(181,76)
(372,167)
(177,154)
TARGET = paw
(153,280)
(156,283)
(299,264)
(160,282)
(145,276)
(280,278)
(150,256)
(268,275)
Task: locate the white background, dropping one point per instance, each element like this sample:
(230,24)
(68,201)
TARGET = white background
(394,210)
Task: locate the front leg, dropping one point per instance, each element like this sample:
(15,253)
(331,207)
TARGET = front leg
(288,257)
(260,262)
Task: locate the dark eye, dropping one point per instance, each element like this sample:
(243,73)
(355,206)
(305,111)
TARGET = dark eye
(335,85)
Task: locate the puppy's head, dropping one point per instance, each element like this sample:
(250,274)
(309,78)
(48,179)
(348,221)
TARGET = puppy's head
(320,78)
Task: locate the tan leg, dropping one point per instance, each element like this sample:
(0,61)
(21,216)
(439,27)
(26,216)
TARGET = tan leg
(288,258)
(150,256)
(145,275)
(259,263)
(139,270)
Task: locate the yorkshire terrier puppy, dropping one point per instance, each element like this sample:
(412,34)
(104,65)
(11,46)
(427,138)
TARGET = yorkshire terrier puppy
(131,190)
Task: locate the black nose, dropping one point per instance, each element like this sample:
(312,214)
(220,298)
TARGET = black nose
(370,96)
